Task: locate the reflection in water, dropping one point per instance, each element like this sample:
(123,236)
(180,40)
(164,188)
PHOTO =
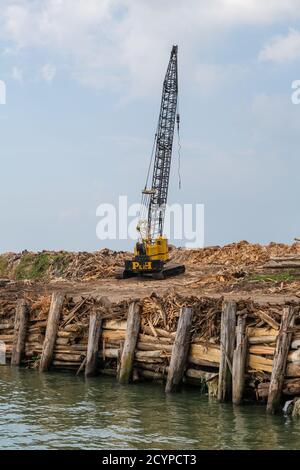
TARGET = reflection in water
(59,410)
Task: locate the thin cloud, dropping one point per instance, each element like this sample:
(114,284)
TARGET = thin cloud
(121,44)
(282,48)
(17,74)
(48,72)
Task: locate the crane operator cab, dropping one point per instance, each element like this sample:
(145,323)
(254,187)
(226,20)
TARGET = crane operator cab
(151,259)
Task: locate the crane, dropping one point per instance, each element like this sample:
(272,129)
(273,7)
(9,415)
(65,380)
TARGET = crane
(151,250)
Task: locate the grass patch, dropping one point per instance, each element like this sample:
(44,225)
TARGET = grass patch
(33,266)
(3,266)
(38,266)
(277,277)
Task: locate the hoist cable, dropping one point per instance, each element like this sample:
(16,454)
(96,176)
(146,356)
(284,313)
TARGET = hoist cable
(179,144)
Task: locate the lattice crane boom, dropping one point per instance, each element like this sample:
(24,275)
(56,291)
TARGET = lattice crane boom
(163,149)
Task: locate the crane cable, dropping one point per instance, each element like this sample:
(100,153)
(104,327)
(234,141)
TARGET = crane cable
(145,197)
(150,164)
(179,145)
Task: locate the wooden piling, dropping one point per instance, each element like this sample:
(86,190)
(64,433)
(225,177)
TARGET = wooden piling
(228,322)
(93,344)
(51,330)
(132,332)
(20,329)
(239,362)
(283,343)
(180,350)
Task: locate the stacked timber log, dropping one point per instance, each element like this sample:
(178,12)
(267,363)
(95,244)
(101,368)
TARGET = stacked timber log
(71,340)
(251,344)
(284,262)
(7,322)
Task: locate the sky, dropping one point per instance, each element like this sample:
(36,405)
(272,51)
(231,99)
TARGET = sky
(83,87)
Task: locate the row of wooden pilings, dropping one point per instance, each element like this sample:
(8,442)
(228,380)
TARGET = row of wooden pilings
(233,356)
(233,348)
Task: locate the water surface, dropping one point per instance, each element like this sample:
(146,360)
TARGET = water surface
(61,411)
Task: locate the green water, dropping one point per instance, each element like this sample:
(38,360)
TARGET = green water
(60,411)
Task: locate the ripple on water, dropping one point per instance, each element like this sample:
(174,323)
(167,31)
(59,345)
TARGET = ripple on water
(61,411)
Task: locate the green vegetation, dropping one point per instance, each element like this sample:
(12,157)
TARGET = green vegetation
(33,266)
(277,277)
(38,266)
(3,266)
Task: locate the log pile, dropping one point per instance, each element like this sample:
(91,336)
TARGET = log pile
(101,264)
(7,319)
(163,312)
(72,336)
(235,257)
(238,255)
(159,320)
(50,265)
(284,262)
